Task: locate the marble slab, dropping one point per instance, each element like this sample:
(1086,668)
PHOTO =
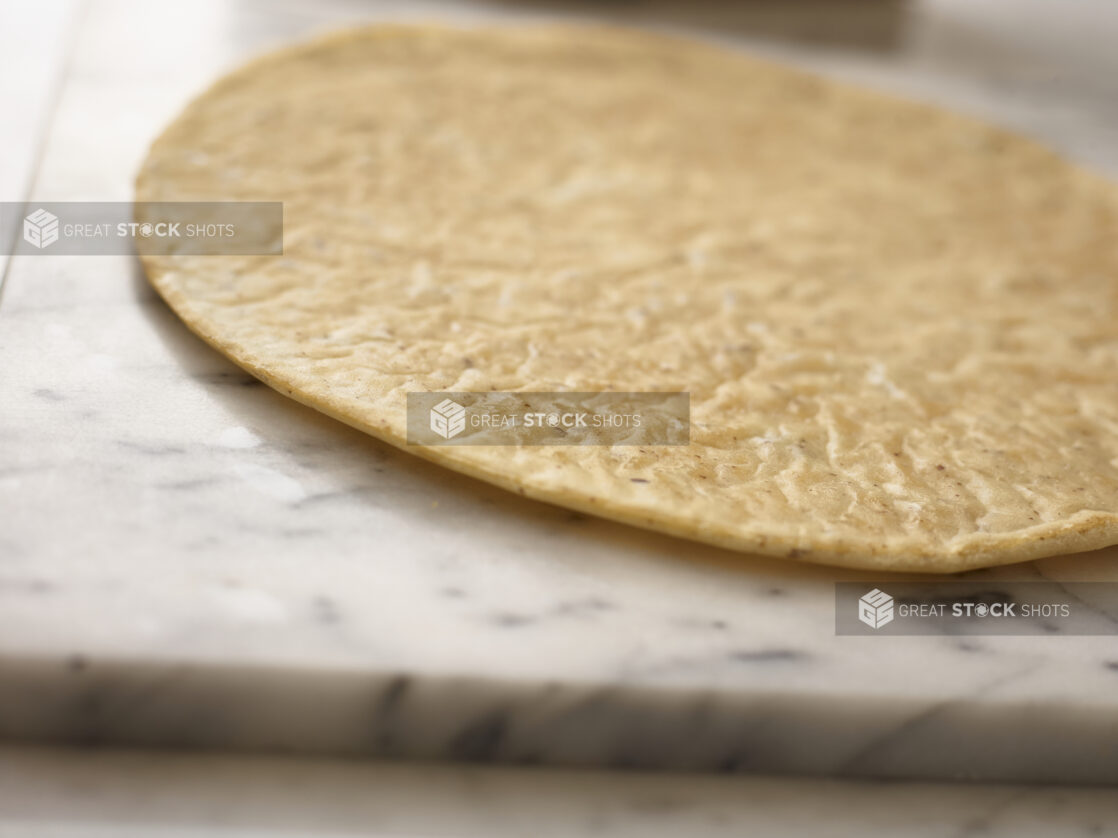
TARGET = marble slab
(189,559)
(36,38)
(59,793)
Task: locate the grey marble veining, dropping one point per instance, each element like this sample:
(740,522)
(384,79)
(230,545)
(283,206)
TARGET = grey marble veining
(188,558)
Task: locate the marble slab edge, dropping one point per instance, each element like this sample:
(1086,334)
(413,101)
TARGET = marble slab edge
(86,702)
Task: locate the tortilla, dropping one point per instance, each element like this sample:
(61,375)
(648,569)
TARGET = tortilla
(898,326)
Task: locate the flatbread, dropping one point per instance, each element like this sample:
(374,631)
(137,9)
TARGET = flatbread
(898,326)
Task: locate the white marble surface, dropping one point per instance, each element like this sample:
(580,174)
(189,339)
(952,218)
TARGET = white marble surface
(187,558)
(48,793)
(35,40)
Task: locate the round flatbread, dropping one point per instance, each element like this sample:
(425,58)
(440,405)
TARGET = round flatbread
(898,326)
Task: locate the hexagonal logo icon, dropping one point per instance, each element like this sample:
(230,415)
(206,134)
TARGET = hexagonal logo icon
(40,228)
(448,419)
(875,609)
